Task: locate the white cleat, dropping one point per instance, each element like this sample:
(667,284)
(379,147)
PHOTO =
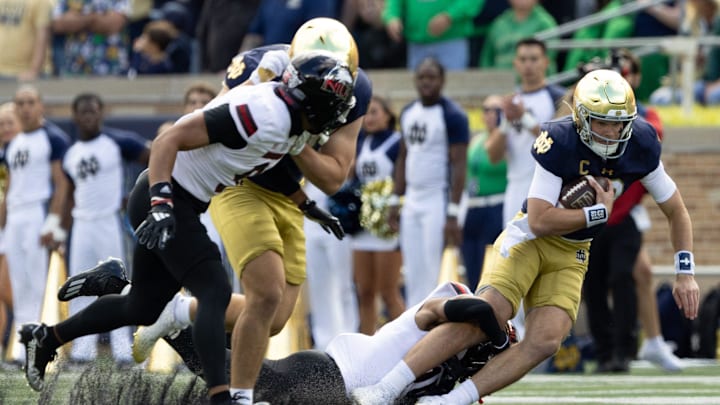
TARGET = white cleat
(146,336)
(661,355)
(377,394)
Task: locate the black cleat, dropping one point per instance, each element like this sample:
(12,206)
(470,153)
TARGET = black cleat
(108,277)
(37,357)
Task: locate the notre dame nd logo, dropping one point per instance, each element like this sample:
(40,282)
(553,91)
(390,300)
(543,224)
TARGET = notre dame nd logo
(417,133)
(543,143)
(236,68)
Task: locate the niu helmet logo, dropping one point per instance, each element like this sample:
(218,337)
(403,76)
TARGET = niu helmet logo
(337,87)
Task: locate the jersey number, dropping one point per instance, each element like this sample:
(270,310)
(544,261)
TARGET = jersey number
(239,177)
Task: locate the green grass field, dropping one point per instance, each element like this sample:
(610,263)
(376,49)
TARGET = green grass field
(699,384)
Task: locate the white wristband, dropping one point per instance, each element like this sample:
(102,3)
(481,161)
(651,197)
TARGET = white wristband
(52,222)
(595,215)
(453,209)
(528,121)
(684,262)
(393,200)
(504,126)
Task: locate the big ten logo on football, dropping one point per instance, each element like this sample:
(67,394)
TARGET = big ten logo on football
(417,133)
(368,169)
(543,143)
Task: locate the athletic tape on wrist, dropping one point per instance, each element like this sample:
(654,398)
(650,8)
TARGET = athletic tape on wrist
(453,209)
(528,121)
(684,262)
(595,215)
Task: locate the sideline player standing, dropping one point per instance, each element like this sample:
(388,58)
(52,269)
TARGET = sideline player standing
(94,165)
(35,199)
(430,171)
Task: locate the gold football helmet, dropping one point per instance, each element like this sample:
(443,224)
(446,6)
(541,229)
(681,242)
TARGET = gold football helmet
(326,34)
(605,95)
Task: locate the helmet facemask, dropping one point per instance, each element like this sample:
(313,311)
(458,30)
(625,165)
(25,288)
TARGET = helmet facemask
(322,86)
(607,148)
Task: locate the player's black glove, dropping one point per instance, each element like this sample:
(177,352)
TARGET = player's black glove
(326,220)
(159,226)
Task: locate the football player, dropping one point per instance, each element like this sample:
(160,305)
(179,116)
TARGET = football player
(542,256)
(350,360)
(239,134)
(270,260)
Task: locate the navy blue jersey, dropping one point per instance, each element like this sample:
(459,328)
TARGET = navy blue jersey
(560,151)
(285,176)
(244,63)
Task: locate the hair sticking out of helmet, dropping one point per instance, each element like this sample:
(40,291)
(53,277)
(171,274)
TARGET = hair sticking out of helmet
(322,85)
(604,95)
(326,34)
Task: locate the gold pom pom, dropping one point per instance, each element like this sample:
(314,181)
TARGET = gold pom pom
(374,209)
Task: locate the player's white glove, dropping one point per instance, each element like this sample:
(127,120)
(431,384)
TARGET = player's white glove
(298,143)
(52,226)
(271,65)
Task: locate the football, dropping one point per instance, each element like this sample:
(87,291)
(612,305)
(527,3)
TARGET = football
(579,193)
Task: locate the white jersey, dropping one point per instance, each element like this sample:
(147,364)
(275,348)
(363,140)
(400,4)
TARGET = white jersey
(363,360)
(520,165)
(96,169)
(374,164)
(426,140)
(29,156)
(263,121)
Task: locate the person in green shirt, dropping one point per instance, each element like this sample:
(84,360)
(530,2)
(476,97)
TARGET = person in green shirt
(485,185)
(618,27)
(440,29)
(522,20)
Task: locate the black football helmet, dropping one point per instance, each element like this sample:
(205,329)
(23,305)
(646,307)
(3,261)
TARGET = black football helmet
(322,86)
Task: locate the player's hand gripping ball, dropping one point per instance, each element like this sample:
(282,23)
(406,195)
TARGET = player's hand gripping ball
(579,193)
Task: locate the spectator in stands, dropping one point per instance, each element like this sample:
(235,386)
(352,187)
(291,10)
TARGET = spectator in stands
(277,21)
(150,49)
(430,172)
(94,165)
(707,90)
(488,12)
(96,41)
(701,18)
(221,28)
(485,185)
(24,37)
(661,19)
(525,18)
(364,19)
(618,27)
(34,203)
(9,127)
(377,261)
(438,29)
